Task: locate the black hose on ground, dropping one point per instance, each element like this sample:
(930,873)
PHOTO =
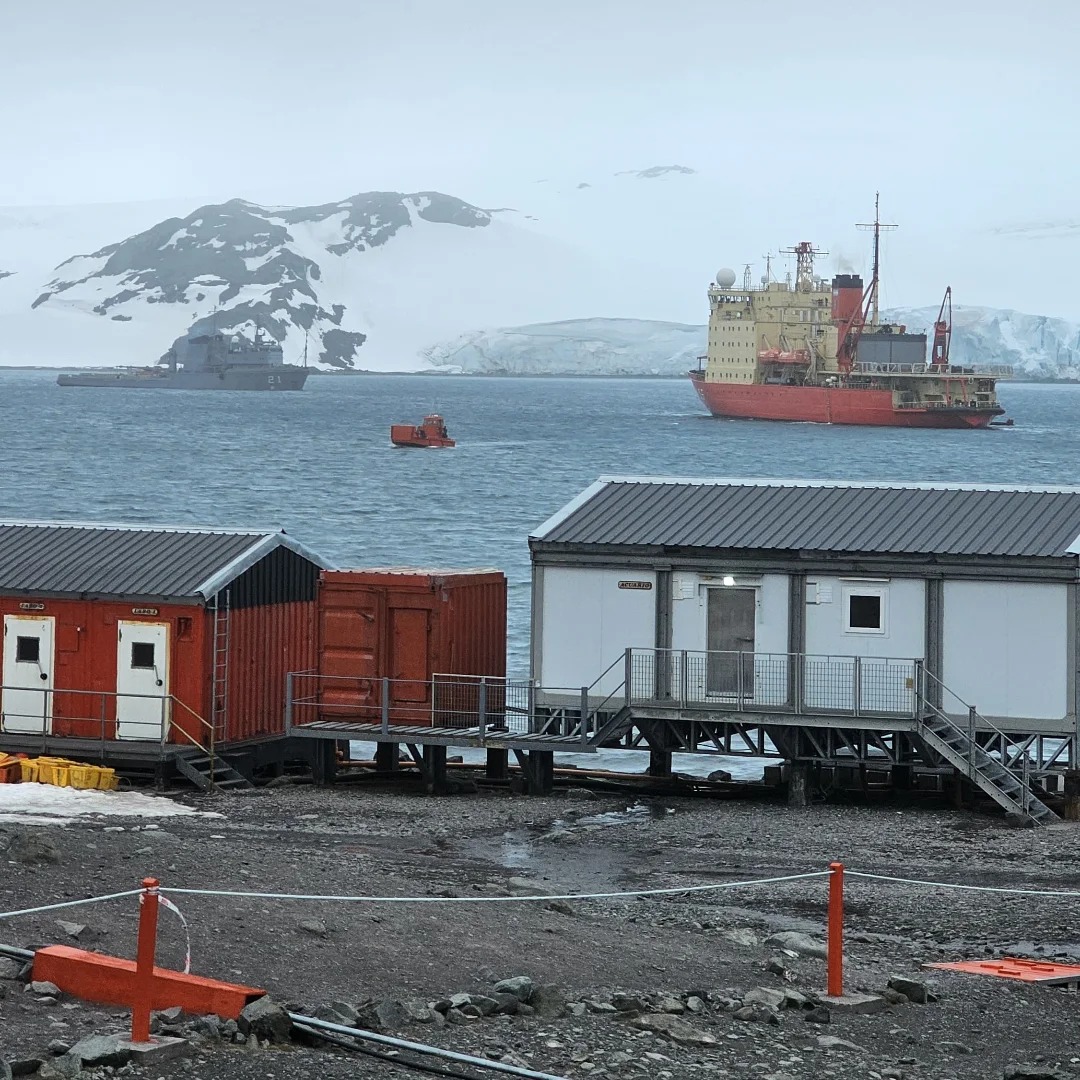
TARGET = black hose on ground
(349,1044)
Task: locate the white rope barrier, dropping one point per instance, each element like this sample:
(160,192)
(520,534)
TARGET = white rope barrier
(968,888)
(672,891)
(70,904)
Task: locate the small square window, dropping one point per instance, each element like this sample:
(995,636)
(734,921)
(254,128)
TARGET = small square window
(142,654)
(866,610)
(28,650)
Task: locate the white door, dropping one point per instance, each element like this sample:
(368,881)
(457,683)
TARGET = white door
(28,673)
(142,679)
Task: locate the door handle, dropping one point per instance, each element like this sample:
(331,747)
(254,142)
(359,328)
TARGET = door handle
(44,675)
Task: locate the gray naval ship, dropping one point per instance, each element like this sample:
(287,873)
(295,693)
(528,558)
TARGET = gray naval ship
(205,361)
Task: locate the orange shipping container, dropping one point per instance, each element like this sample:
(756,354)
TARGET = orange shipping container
(406,625)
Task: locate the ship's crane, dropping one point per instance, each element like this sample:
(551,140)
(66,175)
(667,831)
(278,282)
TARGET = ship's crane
(939,353)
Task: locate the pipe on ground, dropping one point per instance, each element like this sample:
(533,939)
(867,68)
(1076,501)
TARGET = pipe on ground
(421,1048)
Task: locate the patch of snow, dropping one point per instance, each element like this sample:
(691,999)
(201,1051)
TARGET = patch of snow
(43,804)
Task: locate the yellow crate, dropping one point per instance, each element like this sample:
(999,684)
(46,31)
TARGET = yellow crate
(30,771)
(84,776)
(55,771)
(107,779)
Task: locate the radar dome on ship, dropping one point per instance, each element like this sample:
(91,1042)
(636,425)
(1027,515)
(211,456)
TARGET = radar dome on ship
(725,278)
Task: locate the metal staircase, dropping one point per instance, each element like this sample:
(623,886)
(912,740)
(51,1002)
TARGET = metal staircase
(960,748)
(210,773)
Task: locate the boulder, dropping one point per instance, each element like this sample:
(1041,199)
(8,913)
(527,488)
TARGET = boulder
(720,776)
(61,1068)
(521,986)
(672,1027)
(419,1012)
(486,1005)
(548,1002)
(28,849)
(831,1042)
(763,995)
(666,1003)
(803,944)
(22,1067)
(314,927)
(507,1004)
(338,1012)
(629,1003)
(817,1015)
(96,1050)
(266,1020)
(742,935)
(9,968)
(382,1016)
(912,989)
(757,1013)
(71,929)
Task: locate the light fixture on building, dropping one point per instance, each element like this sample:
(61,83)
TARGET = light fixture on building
(728,579)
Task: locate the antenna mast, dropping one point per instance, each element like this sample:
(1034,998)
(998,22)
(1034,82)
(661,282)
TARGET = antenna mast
(768,268)
(875,278)
(746,278)
(804,264)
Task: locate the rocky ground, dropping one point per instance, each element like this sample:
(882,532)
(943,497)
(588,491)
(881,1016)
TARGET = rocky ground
(694,985)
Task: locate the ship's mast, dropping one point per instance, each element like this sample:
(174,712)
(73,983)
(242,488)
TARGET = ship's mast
(804,264)
(746,278)
(768,269)
(875,278)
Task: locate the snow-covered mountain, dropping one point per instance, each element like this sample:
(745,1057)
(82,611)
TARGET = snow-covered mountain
(365,282)
(599,273)
(1037,347)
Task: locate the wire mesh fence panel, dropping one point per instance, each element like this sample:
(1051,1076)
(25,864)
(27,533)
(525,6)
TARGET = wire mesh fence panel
(487,702)
(828,683)
(887,686)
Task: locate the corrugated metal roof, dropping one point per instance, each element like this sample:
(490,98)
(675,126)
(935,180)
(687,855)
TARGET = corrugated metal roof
(129,560)
(810,515)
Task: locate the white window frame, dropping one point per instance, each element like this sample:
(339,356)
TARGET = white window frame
(882,593)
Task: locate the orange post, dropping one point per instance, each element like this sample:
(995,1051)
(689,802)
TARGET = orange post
(144,962)
(835,962)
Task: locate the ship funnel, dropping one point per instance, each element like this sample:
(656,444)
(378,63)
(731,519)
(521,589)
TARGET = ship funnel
(847,295)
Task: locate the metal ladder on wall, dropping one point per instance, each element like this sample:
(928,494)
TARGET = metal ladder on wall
(220,691)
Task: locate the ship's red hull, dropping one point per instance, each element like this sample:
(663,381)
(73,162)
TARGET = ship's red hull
(830,405)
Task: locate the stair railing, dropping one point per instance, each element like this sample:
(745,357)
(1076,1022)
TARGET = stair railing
(169,726)
(974,722)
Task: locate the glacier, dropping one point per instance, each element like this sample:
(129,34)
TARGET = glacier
(1037,347)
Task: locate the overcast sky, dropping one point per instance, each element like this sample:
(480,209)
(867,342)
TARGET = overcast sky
(285,101)
(962,111)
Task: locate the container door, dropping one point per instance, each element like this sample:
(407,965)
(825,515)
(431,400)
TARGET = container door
(731,615)
(29,649)
(142,679)
(409,630)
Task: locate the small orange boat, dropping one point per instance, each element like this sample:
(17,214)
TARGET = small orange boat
(432,432)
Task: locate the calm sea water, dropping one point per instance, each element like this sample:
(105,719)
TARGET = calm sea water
(320,465)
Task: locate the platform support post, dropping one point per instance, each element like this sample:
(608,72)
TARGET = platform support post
(435,767)
(798,785)
(541,772)
(1071,811)
(386,757)
(498,764)
(324,762)
(660,763)
(835,962)
(144,961)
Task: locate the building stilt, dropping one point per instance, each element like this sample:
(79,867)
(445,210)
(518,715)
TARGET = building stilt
(1072,795)
(386,757)
(324,763)
(498,764)
(660,763)
(798,792)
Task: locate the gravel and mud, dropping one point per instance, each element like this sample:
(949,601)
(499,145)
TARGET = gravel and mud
(664,986)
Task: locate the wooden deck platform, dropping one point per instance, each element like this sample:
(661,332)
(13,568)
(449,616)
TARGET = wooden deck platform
(439,736)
